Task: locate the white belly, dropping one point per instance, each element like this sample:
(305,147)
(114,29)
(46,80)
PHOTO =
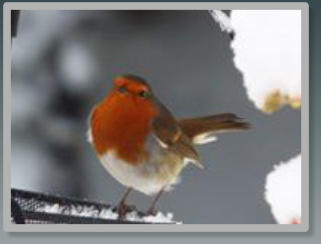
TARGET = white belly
(148,178)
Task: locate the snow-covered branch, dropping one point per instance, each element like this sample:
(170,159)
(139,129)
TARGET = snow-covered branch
(267,51)
(283,191)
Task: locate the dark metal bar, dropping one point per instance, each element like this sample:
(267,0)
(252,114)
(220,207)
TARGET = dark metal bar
(16,213)
(25,209)
(14,22)
(54,198)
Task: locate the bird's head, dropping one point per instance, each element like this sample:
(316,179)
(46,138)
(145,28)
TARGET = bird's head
(132,86)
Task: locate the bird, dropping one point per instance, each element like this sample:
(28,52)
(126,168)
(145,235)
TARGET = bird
(142,145)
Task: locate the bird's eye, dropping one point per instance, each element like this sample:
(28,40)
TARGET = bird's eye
(144,94)
(122,89)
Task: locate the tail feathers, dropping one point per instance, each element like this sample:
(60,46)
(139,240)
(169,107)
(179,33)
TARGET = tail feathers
(203,129)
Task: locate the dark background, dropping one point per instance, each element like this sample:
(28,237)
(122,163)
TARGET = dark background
(64,62)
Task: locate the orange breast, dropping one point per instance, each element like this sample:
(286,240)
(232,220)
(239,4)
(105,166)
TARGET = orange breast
(123,123)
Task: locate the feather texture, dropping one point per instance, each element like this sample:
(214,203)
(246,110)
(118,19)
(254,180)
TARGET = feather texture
(203,129)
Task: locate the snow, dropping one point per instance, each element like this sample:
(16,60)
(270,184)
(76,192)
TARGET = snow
(105,213)
(283,191)
(267,48)
(222,19)
(158,218)
(267,51)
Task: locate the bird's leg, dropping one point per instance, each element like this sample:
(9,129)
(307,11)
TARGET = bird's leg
(151,210)
(122,208)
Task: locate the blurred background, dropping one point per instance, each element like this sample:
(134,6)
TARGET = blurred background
(63,62)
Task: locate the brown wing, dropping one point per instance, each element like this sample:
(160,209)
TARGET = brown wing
(202,129)
(165,126)
(169,134)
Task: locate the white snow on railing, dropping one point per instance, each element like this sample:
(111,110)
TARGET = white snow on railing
(105,213)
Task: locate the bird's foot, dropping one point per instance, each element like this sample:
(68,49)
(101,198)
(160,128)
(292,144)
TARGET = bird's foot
(122,209)
(151,212)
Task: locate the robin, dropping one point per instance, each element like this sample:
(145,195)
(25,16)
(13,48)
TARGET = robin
(141,144)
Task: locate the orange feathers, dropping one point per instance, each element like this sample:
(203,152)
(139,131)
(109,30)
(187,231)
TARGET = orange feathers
(122,122)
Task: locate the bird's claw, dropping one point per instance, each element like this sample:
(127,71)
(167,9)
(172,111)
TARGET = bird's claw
(122,209)
(151,212)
